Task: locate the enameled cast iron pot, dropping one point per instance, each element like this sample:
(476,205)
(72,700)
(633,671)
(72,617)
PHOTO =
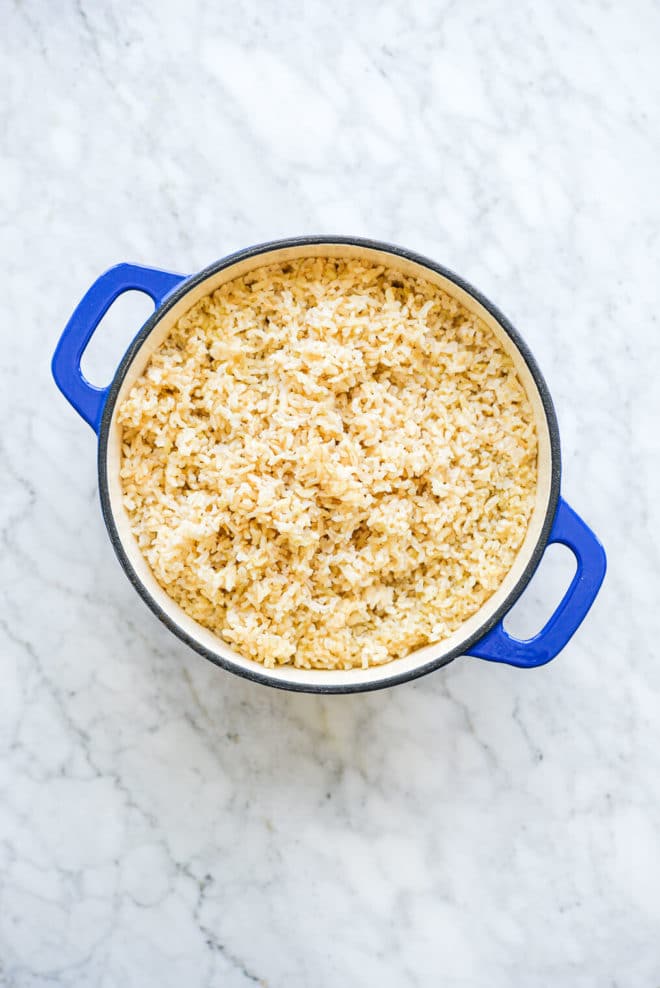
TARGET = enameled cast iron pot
(483,635)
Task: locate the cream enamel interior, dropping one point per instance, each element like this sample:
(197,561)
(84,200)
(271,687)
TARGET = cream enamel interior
(286,675)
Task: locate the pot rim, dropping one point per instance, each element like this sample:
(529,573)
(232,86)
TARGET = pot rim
(260,674)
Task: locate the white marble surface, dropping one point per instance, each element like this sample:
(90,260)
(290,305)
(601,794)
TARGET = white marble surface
(163,823)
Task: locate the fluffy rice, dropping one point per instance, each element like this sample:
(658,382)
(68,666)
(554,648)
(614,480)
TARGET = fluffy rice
(329,464)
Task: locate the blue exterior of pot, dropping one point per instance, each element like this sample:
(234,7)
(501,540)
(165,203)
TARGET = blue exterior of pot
(565,526)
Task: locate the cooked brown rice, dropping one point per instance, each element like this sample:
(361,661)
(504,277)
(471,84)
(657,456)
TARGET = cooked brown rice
(329,463)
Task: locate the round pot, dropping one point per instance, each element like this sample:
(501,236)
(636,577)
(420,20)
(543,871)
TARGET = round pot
(483,635)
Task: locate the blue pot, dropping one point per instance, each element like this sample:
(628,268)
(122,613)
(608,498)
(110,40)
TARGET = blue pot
(483,635)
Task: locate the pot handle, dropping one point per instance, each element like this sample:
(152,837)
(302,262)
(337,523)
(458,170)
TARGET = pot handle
(498,646)
(87,399)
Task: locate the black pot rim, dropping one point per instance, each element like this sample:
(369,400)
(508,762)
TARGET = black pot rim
(256,675)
